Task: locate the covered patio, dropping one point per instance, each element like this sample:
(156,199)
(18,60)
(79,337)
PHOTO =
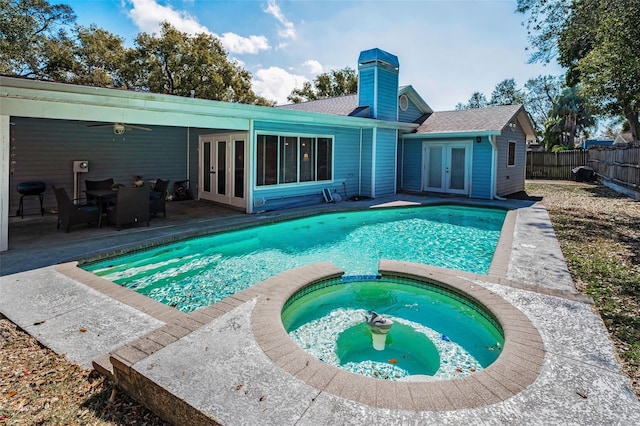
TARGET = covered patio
(46,128)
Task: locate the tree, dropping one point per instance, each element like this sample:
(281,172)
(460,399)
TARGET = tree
(507,93)
(552,134)
(571,116)
(545,22)
(98,56)
(177,64)
(599,41)
(334,83)
(35,42)
(609,68)
(540,97)
(29,30)
(477,100)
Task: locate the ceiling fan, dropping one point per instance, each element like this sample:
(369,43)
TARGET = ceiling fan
(120,128)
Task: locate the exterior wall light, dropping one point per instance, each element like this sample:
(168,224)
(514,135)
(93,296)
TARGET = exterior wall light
(478,139)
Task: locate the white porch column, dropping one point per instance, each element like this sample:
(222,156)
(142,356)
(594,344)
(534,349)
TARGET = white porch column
(5,166)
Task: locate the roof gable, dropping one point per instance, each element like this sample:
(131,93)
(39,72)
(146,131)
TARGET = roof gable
(414,97)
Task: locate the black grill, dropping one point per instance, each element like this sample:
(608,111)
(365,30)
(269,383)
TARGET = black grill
(30,188)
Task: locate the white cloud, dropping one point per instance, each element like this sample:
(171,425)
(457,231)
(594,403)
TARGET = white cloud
(148,14)
(314,66)
(275,83)
(242,45)
(288,31)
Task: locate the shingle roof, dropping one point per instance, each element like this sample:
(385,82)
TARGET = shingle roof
(466,120)
(469,120)
(342,105)
(348,105)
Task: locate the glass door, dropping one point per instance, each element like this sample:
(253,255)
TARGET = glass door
(457,167)
(445,168)
(433,168)
(222,169)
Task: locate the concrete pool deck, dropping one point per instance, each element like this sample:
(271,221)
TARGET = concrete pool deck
(212,366)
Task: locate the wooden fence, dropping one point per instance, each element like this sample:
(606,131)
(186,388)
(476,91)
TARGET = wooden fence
(619,164)
(554,165)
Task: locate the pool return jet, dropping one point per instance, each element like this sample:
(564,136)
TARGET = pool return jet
(379,327)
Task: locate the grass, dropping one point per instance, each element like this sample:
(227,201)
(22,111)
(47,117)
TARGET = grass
(599,233)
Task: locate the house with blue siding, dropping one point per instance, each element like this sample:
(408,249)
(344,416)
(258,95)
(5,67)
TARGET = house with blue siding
(384,140)
(477,153)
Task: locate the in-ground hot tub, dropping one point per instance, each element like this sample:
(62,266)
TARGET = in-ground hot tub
(393,328)
(516,366)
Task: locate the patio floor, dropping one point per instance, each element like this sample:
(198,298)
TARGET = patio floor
(212,366)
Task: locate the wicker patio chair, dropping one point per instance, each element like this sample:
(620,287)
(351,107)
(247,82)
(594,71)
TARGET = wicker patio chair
(157,203)
(70,213)
(131,206)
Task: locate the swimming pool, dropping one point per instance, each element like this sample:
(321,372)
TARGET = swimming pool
(201,271)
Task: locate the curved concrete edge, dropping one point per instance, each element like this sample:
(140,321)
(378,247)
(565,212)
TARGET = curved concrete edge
(515,369)
(500,261)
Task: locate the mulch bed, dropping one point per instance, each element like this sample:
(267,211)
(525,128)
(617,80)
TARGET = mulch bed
(38,386)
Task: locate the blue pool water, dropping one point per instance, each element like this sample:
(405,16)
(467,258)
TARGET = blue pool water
(201,271)
(436,334)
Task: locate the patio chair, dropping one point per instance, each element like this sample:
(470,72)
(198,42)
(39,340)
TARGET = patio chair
(131,206)
(158,196)
(73,214)
(97,185)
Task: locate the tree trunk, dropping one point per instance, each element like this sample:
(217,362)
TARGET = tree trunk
(634,125)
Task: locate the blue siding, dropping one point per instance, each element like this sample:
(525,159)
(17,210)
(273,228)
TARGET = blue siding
(366,187)
(510,180)
(378,89)
(594,142)
(346,148)
(385,176)
(366,92)
(412,167)
(387,108)
(410,115)
(480,166)
(481,169)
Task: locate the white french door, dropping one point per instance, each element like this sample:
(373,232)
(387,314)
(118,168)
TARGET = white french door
(222,168)
(445,167)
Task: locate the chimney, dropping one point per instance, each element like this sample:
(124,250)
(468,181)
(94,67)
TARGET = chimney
(378,83)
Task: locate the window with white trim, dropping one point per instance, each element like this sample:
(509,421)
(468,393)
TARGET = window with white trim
(287,159)
(511,154)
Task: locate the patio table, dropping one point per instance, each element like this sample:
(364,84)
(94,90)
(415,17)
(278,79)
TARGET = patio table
(103,196)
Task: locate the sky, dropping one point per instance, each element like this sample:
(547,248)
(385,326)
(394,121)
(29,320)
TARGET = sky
(447,49)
